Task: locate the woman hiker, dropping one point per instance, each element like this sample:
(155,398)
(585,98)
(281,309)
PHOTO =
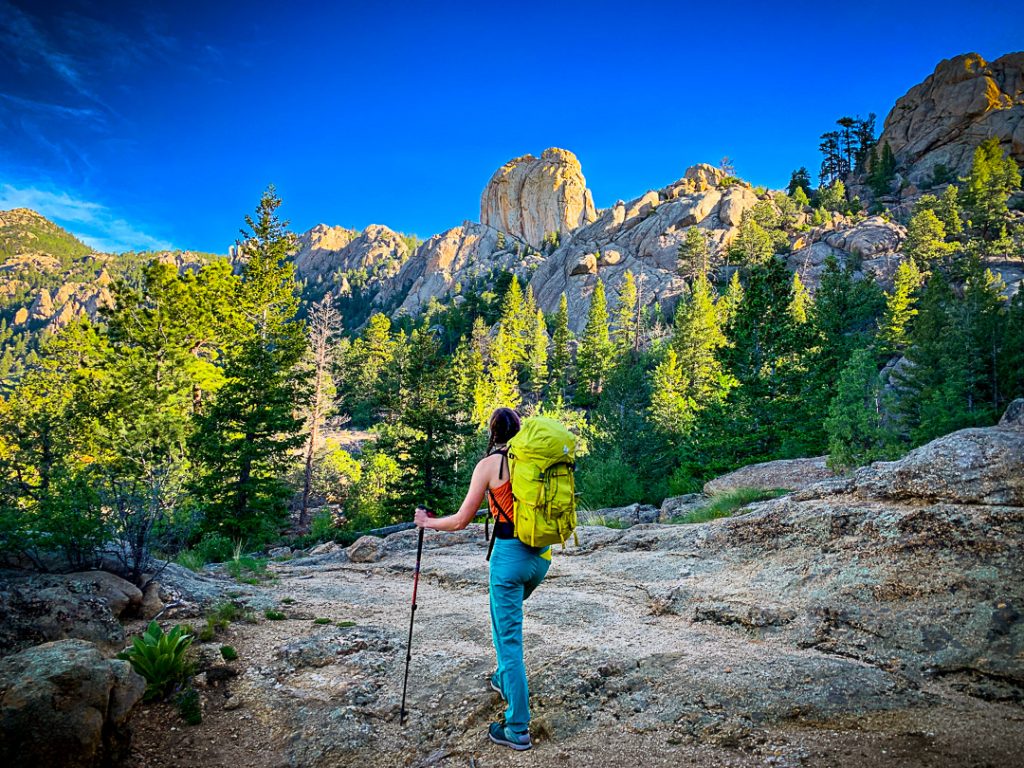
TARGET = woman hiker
(516,570)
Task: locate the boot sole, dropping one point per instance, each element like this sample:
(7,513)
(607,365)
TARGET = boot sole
(512,744)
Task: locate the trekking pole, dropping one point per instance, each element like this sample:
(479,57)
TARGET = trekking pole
(412,617)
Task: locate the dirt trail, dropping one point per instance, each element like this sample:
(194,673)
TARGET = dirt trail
(615,680)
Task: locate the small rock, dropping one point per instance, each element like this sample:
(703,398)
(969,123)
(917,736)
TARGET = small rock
(280,552)
(151,602)
(328,547)
(232,704)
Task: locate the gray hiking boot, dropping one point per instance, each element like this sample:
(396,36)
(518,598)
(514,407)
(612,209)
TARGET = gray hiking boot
(499,734)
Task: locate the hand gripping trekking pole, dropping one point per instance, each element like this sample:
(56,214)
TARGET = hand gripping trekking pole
(412,617)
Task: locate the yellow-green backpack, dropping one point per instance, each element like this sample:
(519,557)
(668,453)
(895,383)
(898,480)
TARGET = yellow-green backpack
(542,462)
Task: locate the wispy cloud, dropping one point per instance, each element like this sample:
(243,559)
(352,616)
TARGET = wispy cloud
(30,45)
(94,224)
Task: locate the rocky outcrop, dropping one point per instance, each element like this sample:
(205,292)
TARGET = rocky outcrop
(963,102)
(452,259)
(531,197)
(63,703)
(36,608)
(323,251)
(972,466)
(787,474)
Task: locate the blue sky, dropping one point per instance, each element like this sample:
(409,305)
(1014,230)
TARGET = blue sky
(152,124)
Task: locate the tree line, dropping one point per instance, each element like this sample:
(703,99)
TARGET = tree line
(193,409)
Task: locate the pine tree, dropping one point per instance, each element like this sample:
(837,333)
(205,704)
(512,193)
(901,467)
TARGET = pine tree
(894,327)
(753,244)
(926,240)
(987,186)
(561,356)
(800,198)
(537,365)
(245,438)
(855,423)
(730,302)
(670,408)
(881,170)
(799,179)
(369,363)
(513,323)
(483,389)
(697,338)
(596,351)
(799,301)
(694,255)
(627,316)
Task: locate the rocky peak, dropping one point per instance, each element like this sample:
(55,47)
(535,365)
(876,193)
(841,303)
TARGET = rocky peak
(324,250)
(529,197)
(963,102)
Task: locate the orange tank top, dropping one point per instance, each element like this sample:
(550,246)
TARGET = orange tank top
(503,496)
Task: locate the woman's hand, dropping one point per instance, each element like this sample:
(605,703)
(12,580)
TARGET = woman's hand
(422,516)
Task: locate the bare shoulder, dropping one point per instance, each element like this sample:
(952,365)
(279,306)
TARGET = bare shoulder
(489,466)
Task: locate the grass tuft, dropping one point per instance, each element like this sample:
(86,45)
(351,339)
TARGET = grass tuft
(728,503)
(273,615)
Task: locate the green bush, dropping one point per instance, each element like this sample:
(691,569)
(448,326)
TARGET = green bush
(321,620)
(321,527)
(273,615)
(228,653)
(188,706)
(159,658)
(608,481)
(346,623)
(215,548)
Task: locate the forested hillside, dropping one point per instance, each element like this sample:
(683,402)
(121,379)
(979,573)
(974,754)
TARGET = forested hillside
(184,403)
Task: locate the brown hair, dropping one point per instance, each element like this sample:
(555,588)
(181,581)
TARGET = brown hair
(504,424)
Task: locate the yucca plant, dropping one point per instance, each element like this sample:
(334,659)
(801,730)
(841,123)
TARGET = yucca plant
(159,658)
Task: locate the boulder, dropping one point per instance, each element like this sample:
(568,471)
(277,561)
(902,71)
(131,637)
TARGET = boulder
(735,202)
(325,549)
(587,265)
(702,176)
(367,549)
(121,596)
(633,514)
(531,197)
(875,235)
(151,602)
(280,552)
(63,703)
(971,466)
(36,608)
(963,102)
(1013,417)
(788,474)
(677,506)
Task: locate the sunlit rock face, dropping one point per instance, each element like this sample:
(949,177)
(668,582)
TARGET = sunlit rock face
(965,101)
(530,197)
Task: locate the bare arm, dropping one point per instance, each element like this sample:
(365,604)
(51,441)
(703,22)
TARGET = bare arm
(470,505)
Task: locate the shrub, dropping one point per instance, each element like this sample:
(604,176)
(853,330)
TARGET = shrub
(188,706)
(608,481)
(322,525)
(215,548)
(346,623)
(228,653)
(321,620)
(159,658)
(726,503)
(273,615)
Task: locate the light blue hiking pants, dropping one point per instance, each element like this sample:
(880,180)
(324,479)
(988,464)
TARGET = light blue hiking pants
(516,570)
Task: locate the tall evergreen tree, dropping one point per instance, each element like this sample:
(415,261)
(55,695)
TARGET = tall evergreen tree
(561,355)
(244,439)
(698,337)
(926,240)
(537,364)
(987,186)
(596,351)
(894,327)
(627,316)
(694,254)
(856,428)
